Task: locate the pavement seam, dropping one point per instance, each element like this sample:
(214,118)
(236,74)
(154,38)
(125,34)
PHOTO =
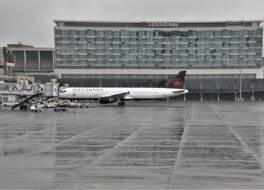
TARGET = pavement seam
(106,153)
(120,143)
(240,139)
(177,160)
(60,143)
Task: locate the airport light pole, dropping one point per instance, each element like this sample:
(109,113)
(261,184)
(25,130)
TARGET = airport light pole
(240,85)
(241,64)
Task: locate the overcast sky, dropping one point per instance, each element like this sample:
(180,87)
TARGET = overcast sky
(31,21)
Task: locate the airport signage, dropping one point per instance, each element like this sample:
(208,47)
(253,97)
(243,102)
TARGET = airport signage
(158,24)
(9,64)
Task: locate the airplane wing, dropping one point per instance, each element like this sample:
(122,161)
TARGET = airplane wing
(116,95)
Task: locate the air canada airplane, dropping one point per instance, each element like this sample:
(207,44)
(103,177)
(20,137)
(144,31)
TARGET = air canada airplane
(120,94)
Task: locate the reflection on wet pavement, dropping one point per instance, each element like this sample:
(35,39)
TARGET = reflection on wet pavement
(147,145)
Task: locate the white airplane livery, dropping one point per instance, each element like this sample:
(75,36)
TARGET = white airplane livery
(119,94)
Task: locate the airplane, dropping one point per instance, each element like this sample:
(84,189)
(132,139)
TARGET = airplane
(107,95)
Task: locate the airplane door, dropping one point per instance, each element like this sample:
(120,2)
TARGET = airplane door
(156,93)
(74,93)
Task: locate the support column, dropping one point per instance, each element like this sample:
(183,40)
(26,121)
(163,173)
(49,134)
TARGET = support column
(252,96)
(25,60)
(5,59)
(201,93)
(201,96)
(100,82)
(240,85)
(38,59)
(53,60)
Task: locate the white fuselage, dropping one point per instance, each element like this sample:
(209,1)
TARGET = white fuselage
(132,93)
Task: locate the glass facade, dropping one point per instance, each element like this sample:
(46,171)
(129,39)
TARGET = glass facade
(33,59)
(158,45)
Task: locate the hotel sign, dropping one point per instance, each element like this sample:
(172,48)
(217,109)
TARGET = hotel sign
(158,24)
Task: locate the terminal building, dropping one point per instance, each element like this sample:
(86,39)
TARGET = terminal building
(217,55)
(37,62)
(6,64)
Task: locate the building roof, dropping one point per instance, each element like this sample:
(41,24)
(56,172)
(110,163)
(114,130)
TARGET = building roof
(31,49)
(162,24)
(19,45)
(23,47)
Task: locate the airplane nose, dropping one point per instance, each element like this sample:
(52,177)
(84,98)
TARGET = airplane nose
(179,92)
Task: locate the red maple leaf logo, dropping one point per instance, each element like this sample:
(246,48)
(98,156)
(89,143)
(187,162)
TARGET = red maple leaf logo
(177,83)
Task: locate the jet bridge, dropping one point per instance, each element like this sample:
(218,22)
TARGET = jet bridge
(23,93)
(17,94)
(20,89)
(25,101)
(48,89)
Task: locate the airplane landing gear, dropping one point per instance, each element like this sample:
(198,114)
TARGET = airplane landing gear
(121,103)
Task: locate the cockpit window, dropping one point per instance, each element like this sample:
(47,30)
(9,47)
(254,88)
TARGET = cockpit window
(178,91)
(62,90)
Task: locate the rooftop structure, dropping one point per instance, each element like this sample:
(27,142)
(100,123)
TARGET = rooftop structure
(6,62)
(32,59)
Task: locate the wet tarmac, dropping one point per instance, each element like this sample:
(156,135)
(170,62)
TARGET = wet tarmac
(144,145)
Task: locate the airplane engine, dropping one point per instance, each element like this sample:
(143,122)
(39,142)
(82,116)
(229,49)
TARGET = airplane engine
(107,100)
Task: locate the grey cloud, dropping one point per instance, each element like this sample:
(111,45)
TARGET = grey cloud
(31,21)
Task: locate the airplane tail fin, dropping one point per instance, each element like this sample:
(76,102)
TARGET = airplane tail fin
(178,80)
